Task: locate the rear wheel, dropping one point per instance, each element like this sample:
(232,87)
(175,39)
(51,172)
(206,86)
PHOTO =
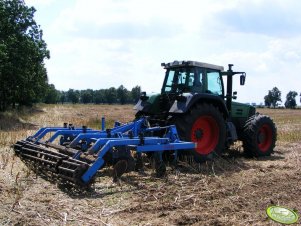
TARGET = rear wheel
(205,126)
(260,135)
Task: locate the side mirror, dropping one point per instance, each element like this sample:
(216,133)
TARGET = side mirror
(242,79)
(143,96)
(234,95)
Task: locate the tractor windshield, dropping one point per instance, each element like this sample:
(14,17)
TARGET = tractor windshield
(182,79)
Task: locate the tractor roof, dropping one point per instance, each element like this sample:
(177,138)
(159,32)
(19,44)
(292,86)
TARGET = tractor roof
(192,63)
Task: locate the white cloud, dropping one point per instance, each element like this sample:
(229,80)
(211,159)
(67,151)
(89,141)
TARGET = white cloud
(277,65)
(269,17)
(102,43)
(39,3)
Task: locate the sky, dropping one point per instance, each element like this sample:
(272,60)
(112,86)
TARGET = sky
(98,44)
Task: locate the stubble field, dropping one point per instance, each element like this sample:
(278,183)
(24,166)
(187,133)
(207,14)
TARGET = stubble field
(231,190)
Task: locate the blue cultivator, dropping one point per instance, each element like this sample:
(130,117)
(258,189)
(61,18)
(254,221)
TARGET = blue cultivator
(76,154)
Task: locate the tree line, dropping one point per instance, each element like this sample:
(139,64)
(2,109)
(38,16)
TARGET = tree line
(111,95)
(273,98)
(23,75)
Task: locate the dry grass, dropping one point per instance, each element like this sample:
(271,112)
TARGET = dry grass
(288,123)
(232,190)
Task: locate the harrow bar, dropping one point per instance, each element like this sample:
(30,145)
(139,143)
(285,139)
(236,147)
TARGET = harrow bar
(52,161)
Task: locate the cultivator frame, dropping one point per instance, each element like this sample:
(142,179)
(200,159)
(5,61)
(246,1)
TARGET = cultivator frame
(80,152)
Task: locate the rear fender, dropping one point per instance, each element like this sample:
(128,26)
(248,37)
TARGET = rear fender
(149,104)
(183,103)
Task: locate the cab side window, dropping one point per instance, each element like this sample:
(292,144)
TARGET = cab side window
(196,82)
(214,82)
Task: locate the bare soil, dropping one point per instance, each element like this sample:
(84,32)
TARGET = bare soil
(231,190)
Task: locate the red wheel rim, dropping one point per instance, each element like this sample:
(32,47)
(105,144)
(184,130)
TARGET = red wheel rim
(264,138)
(205,132)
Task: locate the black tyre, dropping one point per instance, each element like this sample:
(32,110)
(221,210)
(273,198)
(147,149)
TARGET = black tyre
(260,135)
(160,168)
(204,124)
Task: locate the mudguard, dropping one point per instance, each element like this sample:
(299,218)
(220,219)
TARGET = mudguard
(148,105)
(184,102)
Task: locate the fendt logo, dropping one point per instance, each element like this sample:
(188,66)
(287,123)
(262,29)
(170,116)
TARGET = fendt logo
(282,215)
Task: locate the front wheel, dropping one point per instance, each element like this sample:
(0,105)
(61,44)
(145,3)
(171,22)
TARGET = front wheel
(259,136)
(204,124)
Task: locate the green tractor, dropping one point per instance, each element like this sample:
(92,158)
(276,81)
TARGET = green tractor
(193,97)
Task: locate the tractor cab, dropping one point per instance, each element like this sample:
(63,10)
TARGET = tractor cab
(188,83)
(185,83)
(192,77)
(199,80)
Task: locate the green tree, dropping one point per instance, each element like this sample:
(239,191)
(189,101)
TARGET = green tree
(267,101)
(273,97)
(3,59)
(122,94)
(135,93)
(52,95)
(87,96)
(73,96)
(63,96)
(99,96)
(23,74)
(290,99)
(111,95)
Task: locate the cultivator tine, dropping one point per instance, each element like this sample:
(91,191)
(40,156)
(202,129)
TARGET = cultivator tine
(62,149)
(48,161)
(52,161)
(39,155)
(190,159)
(18,146)
(119,168)
(72,170)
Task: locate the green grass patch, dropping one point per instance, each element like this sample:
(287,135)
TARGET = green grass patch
(95,123)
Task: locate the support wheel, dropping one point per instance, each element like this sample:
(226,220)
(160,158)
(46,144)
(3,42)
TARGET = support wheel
(160,169)
(260,135)
(204,124)
(123,165)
